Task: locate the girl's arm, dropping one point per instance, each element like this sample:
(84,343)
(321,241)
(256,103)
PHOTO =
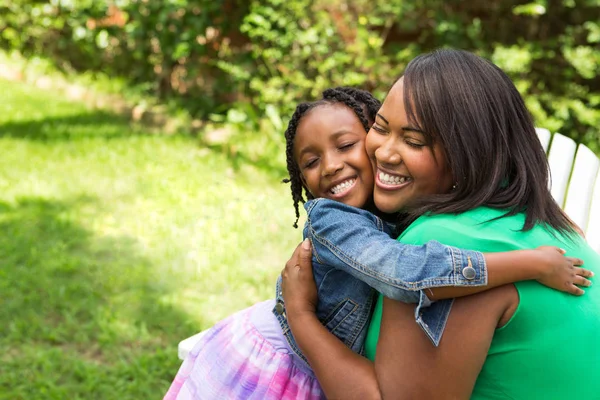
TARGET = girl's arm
(546,264)
(353,240)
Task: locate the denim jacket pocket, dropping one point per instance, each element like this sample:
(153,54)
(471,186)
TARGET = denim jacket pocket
(339,321)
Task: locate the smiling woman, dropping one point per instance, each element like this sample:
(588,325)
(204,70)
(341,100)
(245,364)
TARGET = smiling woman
(410,166)
(456,150)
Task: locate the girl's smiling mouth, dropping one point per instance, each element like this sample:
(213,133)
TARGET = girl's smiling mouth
(342,188)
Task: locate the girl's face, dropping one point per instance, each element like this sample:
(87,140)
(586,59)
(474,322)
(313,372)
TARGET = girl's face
(329,149)
(406,167)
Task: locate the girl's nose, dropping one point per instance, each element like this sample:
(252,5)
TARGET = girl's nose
(331,166)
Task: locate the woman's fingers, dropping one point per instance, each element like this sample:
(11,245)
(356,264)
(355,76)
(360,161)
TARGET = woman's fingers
(294,259)
(305,255)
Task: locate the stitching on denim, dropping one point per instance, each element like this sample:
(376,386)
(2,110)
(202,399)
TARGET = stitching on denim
(338,309)
(312,205)
(457,264)
(482,267)
(364,317)
(396,283)
(314,248)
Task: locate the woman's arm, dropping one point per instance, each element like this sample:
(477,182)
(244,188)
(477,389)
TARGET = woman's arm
(408,366)
(406,360)
(342,373)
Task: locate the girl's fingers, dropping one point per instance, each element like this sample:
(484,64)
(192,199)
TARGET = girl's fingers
(576,290)
(581,281)
(584,272)
(576,261)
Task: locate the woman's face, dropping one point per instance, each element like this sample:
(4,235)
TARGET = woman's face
(329,148)
(406,167)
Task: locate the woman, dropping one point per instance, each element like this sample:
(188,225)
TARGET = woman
(456,132)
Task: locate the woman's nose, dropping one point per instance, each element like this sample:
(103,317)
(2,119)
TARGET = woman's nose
(387,153)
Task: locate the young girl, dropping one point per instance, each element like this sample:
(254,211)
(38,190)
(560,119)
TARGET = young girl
(252,354)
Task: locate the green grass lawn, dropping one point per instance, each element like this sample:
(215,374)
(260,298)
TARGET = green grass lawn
(115,244)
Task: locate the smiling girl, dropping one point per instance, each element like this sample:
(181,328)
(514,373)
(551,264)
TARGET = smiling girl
(253,355)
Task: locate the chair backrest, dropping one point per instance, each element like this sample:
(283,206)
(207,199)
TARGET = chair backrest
(573,185)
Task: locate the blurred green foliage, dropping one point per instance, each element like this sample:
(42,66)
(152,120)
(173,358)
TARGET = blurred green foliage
(249,62)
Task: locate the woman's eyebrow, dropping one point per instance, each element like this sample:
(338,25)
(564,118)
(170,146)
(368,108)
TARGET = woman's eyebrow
(412,129)
(382,117)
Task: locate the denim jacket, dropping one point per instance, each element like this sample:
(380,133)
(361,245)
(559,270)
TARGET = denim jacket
(354,257)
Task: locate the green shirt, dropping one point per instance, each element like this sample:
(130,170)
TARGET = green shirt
(550,348)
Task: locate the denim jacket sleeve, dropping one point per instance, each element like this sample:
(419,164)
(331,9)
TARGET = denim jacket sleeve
(354,240)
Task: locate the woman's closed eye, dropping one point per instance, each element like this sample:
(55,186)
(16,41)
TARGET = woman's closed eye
(378,129)
(415,143)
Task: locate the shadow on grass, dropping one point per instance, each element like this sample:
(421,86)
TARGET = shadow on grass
(108,126)
(94,124)
(82,314)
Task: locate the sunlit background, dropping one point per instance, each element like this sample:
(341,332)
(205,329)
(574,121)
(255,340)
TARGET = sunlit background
(142,152)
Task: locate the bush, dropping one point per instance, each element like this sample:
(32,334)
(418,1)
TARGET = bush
(247,62)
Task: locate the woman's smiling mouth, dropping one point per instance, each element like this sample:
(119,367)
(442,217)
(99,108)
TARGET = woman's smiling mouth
(389,181)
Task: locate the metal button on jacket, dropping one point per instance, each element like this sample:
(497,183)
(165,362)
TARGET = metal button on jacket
(469,273)
(279,308)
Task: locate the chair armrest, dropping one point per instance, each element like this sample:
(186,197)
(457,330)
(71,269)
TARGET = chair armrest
(186,345)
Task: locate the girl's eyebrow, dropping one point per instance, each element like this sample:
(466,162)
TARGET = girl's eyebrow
(383,118)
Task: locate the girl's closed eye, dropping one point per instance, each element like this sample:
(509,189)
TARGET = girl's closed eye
(310,163)
(346,146)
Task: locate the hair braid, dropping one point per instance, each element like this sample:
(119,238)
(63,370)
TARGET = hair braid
(363,97)
(364,105)
(295,179)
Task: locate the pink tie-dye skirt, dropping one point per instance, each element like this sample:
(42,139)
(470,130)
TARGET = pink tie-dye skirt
(245,356)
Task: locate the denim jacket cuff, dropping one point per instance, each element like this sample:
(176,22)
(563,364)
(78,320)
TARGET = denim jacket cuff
(433,316)
(470,268)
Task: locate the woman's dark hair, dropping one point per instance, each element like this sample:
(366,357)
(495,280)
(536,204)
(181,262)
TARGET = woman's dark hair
(473,110)
(364,105)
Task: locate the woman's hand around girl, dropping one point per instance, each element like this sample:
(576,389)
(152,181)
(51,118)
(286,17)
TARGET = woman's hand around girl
(298,283)
(561,272)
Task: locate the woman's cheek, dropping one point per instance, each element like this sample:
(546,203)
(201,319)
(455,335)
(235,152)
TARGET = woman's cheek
(371,144)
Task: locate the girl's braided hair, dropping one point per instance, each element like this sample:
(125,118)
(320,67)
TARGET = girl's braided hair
(364,105)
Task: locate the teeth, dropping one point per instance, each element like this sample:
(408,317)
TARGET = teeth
(338,188)
(391,179)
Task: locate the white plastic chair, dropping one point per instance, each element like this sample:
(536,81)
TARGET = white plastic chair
(573,185)
(186,345)
(544,135)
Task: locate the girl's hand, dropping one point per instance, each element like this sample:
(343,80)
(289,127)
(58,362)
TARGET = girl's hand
(298,283)
(562,273)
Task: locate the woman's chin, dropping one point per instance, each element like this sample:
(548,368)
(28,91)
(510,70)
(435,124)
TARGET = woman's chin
(388,207)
